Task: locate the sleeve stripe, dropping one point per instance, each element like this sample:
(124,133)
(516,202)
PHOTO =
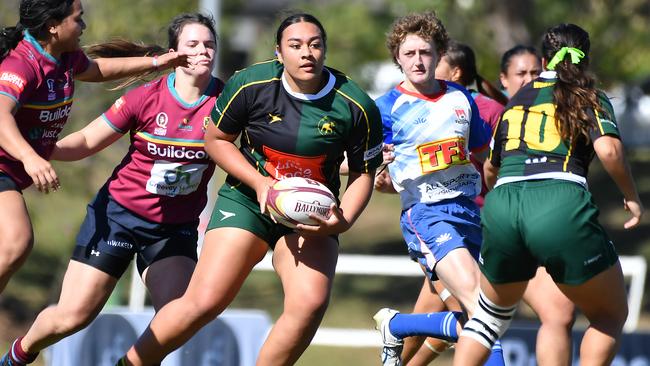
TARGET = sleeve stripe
(111,125)
(11,97)
(237,93)
(600,124)
(365,115)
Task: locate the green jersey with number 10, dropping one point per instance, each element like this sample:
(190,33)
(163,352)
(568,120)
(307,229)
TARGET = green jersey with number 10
(527,144)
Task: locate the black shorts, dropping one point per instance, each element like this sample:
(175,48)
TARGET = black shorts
(8,184)
(111,234)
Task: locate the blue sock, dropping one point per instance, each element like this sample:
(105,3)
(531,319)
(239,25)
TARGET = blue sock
(496,357)
(438,325)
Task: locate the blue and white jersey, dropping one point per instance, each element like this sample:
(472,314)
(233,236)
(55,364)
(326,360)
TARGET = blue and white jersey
(433,136)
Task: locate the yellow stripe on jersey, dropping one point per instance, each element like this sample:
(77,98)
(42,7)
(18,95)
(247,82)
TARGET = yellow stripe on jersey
(237,93)
(365,115)
(48,106)
(599,122)
(566,161)
(171,141)
(541,84)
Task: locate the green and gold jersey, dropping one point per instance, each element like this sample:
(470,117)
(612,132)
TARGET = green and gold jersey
(527,144)
(286,134)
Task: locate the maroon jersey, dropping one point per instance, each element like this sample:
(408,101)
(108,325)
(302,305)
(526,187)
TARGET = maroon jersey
(42,88)
(165,173)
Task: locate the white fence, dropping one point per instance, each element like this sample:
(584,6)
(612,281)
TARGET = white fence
(634,269)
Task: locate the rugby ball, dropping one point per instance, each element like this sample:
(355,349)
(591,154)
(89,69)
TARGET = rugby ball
(291,200)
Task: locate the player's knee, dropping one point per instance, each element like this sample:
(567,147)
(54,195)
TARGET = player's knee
(202,309)
(489,322)
(15,246)
(559,313)
(309,304)
(72,320)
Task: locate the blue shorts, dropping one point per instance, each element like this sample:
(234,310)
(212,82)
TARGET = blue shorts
(8,184)
(431,230)
(111,234)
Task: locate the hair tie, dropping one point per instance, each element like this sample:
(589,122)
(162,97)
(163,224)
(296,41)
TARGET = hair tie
(575,53)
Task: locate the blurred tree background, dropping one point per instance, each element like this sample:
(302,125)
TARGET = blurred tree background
(356,35)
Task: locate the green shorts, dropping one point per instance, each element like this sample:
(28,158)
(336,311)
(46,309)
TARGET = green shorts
(236,208)
(550,223)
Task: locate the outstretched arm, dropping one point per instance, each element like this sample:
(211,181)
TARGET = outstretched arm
(97,135)
(106,69)
(611,153)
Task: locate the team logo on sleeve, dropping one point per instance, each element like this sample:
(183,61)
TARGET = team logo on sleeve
(372,152)
(326,126)
(118,105)
(12,80)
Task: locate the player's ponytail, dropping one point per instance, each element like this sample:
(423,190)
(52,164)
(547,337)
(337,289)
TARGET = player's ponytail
(462,56)
(123,48)
(9,38)
(565,48)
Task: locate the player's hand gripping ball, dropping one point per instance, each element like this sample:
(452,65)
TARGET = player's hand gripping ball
(291,200)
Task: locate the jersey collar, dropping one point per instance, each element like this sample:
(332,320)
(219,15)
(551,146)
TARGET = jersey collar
(548,74)
(31,40)
(323,92)
(171,79)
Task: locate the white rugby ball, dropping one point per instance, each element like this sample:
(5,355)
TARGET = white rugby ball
(291,200)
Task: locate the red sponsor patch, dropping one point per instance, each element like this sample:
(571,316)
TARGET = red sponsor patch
(439,155)
(284,165)
(13,81)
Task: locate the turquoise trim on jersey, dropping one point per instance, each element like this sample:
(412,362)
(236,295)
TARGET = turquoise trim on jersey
(171,80)
(111,125)
(28,37)
(170,140)
(11,96)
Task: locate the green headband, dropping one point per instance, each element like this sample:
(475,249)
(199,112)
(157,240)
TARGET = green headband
(576,56)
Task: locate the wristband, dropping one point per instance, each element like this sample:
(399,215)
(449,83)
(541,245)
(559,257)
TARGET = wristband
(154,62)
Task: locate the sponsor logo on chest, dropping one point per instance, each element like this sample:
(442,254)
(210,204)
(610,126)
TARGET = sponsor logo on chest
(47,116)
(185,125)
(175,152)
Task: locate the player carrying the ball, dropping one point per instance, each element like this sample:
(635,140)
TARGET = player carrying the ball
(296,118)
